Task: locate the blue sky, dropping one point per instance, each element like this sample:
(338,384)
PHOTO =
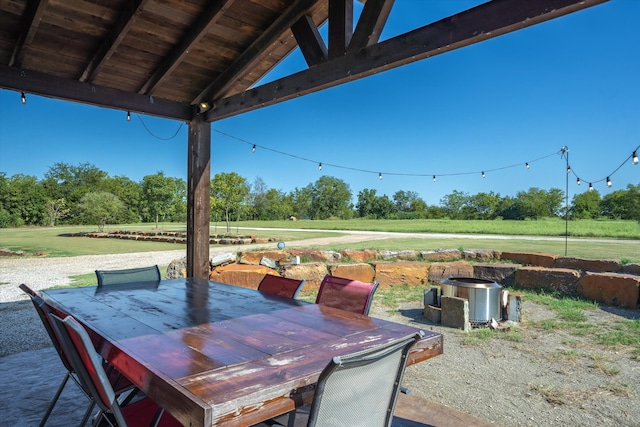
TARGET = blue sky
(572,81)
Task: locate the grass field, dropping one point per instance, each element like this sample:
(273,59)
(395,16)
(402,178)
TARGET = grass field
(622,237)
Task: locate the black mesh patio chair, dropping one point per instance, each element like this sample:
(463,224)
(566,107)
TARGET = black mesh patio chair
(282,286)
(121,384)
(358,389)
(130,275)
(361,389)
(77,345)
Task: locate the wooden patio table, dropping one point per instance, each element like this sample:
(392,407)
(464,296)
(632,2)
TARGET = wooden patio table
(217,354)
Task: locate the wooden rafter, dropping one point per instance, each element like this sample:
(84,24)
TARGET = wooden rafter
(206,20)
(309,41)
(472,26)
(113,40)
(30,23)
(71,90)
(340,26)
(370,25)
(253,53)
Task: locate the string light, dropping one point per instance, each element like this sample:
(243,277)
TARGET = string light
(608,182)
(564,151)
(128,116)
(23,99)
(590,187)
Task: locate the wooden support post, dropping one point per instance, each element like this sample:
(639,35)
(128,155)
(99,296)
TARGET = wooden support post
(198,193)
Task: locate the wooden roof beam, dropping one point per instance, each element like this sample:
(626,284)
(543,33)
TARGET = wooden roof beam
(30,23)
(113,40)
(243,63)
(309,41)
(483,22)
(340,26)
(207,19)
(70,90)
(372,20)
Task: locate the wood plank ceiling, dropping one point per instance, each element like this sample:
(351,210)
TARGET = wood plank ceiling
(165,57)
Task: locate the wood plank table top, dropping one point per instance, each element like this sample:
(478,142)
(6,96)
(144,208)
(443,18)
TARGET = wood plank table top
(217,354)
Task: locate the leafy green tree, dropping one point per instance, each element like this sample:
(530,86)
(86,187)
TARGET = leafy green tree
(366,203)
(538,203)
(100,208)
(383,207)
(483,205)
(454,203)
(585,205)
(130,194)
(9,216)
(56,209)
(331,197)
(228,192)
(276,205)
(623,204)
(158,193)
(25,200)
(257,208)
(71,183)
(301,201)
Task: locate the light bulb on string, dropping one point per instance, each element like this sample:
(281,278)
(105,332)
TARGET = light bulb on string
(23,98)
(253,149)
(568,169)
(483,175)
(590,187)
(578,181)
(527,165)
(128,116)
(380,176)
(434,178)
(635,158)
(319,166)
(608,182)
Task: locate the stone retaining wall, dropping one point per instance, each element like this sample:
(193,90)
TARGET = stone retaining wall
(606,281)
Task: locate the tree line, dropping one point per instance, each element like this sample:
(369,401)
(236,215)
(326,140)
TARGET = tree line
(84,194)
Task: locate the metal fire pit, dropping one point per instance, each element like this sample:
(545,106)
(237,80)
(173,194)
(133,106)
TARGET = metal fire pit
(483,296)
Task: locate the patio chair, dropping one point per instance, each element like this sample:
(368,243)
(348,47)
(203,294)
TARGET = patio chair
(142,274)
(360,389)
(281,286)
(346,294)
(116,379)
(77,345)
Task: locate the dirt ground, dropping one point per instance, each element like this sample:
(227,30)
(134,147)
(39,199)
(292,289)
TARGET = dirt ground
(545,379)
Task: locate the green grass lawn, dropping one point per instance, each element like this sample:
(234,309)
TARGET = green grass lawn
(624,237)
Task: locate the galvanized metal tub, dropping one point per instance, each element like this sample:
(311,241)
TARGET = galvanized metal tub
(483,296)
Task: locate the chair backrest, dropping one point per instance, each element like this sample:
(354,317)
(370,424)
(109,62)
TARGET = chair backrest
(43,310)
(346,294)
(281,286)
(142,274)
(361,388)
(84,359)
